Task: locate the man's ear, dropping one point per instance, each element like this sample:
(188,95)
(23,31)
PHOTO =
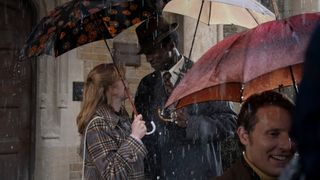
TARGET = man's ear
(243,135)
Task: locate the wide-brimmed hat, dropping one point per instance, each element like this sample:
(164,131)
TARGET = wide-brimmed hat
(152,31)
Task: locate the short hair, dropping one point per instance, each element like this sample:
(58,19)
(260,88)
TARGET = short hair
(247,116)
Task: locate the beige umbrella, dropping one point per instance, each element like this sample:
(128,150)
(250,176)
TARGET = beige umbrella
(245,13)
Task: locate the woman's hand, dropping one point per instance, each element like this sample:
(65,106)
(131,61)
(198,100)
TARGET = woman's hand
(138,127)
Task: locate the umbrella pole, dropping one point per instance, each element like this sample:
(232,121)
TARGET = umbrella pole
(296,90)
(127,89)
(275,9)
(122,79)
(84,10)
(117,69)
(195,32)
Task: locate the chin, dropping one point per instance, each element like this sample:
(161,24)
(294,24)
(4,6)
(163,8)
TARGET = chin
(124,98)
(275,172)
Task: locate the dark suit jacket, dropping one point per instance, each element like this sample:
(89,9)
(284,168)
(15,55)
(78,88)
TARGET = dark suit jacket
(193,152)
(239,171)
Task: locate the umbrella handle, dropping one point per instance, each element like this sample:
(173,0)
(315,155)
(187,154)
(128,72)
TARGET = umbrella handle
(153,128)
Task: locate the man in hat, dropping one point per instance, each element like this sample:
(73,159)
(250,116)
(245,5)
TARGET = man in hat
(186,144)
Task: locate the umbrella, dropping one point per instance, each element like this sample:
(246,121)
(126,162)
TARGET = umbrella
(79,22)
(246,13)
(263,58)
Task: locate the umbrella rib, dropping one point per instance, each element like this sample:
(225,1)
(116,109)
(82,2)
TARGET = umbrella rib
(293,80)
(210,6)
(222,55)
(195,32)
(252,16)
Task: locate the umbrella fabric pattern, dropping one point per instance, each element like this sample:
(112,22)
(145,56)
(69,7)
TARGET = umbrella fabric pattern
(80,22)
(249,62)
(245,13)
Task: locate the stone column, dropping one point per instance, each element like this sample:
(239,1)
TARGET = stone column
(302,6)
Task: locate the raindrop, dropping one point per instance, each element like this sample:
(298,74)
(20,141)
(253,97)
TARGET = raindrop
(23,13)
(20,5)
(5,13)
(183,152)
(160,133)
(104,4)
(158,177)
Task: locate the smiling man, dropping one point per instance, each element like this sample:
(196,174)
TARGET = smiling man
(263,130)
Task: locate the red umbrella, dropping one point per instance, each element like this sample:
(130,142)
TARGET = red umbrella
(259,59)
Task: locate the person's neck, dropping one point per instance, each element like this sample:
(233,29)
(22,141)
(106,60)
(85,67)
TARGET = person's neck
(173,62)
(262,175)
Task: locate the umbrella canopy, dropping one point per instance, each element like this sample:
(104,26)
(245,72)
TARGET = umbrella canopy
(248,62)
(246,13)
(79,22)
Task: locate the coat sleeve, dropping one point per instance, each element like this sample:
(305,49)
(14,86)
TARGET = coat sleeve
(111,159)
(211,121)
(143,105)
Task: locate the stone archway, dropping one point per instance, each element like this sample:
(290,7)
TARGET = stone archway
(17,82)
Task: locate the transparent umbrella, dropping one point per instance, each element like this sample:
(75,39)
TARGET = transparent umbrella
(246,13)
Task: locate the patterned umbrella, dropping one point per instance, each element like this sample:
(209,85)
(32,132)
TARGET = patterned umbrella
(79,22)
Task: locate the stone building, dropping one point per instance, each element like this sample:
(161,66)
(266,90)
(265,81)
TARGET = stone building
(38,98)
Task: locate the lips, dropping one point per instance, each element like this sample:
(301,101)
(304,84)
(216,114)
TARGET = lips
(281,160)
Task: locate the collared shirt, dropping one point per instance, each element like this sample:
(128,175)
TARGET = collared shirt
(175,70)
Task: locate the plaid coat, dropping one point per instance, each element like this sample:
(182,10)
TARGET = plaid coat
(111,153)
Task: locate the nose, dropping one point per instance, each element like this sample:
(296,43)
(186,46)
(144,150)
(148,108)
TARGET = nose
(126,84)
(151,56)
(285,142)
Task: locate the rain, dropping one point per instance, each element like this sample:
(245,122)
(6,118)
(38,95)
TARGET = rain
(47,56)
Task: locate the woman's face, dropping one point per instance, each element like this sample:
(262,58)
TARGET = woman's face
(118,90)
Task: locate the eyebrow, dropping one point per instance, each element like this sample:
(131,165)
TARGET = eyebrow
(275,129)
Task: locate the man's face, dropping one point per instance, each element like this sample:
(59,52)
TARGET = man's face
(159,58)
(268,145)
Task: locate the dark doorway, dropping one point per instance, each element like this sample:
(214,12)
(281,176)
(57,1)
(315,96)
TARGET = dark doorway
(17,92)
